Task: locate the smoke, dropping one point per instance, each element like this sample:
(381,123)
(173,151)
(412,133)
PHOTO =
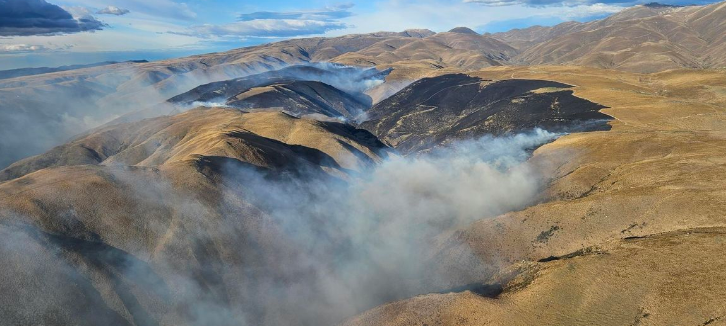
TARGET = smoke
(262,247)
(366,241)
(354,82)
(240,244)
(41,111)
(209,104)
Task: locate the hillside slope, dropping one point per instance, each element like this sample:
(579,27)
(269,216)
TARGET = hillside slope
(151,223)
(627,231)
(645,38)
(439,110)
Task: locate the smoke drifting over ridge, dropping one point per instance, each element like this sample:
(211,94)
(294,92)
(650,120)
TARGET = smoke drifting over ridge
(333,90)
(278,248)
(212,239)
(368,240)
(42,111)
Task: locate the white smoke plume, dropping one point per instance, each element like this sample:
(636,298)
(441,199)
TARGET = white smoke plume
(209,104)
(41,111)
(365,241)
(349,79)
(299,248)
(302,248)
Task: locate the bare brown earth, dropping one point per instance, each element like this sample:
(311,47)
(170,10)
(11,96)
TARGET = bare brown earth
(629,230)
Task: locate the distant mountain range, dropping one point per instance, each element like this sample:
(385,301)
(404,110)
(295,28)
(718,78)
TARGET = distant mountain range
(20,72)
(645,38)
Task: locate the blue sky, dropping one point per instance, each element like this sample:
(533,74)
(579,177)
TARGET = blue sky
(84,31)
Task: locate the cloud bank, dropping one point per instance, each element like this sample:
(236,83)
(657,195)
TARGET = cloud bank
(269,24)
(325,14)
(21,48)
(38,17)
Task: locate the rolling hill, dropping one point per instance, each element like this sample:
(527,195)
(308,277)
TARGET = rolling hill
(158,221)
(645,38)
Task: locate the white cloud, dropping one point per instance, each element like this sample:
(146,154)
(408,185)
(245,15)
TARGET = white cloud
(112,10)
(38,17)
(159,9)
(20,48)
(595,9)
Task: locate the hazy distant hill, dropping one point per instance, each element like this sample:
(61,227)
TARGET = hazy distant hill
(20,72)
(645,38)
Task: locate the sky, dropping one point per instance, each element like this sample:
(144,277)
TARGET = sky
(37,33)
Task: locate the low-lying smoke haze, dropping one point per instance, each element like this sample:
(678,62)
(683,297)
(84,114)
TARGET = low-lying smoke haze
(307,244)
(39,112)
(292,248)
(36,115)
(295,89)
(365,241)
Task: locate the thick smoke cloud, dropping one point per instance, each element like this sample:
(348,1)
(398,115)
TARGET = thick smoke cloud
(349,79)
(279,248)
(300,248)
(38,17)
(367,240)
